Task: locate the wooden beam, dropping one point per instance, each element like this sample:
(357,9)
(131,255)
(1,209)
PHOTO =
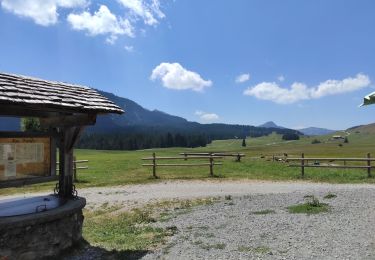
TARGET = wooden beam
(182,164)
(23,182)
(69,136)
(68,121)
(25,111)
(332,159)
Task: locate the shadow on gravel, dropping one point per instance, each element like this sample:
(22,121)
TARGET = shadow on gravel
(85,251)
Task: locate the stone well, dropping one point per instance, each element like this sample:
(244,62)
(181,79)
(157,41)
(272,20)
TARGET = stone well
(43,234)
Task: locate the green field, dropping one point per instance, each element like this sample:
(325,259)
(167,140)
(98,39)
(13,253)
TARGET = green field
(108,168)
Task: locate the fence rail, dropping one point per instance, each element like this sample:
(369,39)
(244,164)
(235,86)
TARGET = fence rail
(75,167)
(238,156)
(154,163)
(304,163)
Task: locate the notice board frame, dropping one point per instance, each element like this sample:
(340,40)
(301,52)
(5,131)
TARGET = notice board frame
(53,136)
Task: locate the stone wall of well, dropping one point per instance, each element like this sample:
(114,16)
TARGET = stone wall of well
(43,234)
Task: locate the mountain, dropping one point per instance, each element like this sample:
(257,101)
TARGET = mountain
(136,116)
(316,131)
(140,128)
(365,129)
(271,124)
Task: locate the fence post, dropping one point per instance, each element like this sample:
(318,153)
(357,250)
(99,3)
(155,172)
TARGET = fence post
(303,166)
(211,166)
(369,165)
(154,165)
(185,155)
(238,157)
(75,168)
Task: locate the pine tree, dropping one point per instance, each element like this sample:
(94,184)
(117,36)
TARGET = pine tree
(30,124)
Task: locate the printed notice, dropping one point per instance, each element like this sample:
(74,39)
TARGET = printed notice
(10,169)
(30,153)
(7,152)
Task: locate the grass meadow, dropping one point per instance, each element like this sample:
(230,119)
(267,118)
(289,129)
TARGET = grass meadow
(110,168)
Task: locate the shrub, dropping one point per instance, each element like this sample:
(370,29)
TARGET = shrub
(290,137)
(315,141)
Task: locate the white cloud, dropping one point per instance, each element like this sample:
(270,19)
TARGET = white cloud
(281,78)
(206,117)
(42,12)
(299,91)
(148,12)
(129,48)
(242,78)
(102,22)
(174,76)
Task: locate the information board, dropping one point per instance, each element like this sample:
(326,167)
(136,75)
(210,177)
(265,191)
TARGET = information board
(24,157)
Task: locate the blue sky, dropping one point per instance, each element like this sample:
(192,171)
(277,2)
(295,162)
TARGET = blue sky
(298,63)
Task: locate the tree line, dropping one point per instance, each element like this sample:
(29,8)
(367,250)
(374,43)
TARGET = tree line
(137,141)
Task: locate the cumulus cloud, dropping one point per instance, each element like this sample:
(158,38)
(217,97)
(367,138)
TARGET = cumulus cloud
(242,78)
(148,12)
(129,48)
(206,117)
(42,12)
(281,78)
(174,76)
(299,91)
(102,22)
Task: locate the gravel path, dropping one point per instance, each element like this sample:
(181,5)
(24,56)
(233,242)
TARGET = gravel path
(136,195)
(229,229)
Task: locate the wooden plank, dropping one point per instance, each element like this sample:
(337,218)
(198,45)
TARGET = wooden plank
(368,165)
(82,168)
(332,166)
(215,154)
(181,158)
(331,159)
(22,182)
(67,121)
(181,164)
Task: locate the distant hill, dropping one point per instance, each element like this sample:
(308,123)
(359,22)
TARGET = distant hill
(140,128)
(137,117)
(365,129)
(271,124)
(316,131)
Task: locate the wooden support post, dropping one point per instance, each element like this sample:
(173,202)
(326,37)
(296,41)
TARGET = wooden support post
(369,165)
(185,155)
(154,165)
(75,168)
(211,166)
(303,166)
(238,157)
(69,136)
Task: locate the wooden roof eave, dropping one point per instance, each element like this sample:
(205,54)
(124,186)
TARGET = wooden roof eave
(17,110)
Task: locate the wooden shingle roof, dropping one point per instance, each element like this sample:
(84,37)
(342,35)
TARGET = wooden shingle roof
(52,96)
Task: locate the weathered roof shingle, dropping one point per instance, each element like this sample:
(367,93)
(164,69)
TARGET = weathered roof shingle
(51,95)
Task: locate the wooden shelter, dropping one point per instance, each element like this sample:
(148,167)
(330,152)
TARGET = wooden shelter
(64,109)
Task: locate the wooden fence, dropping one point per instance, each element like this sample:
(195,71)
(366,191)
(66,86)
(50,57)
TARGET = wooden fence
(238,156)
(304,163)
(76,167)
(154,163)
